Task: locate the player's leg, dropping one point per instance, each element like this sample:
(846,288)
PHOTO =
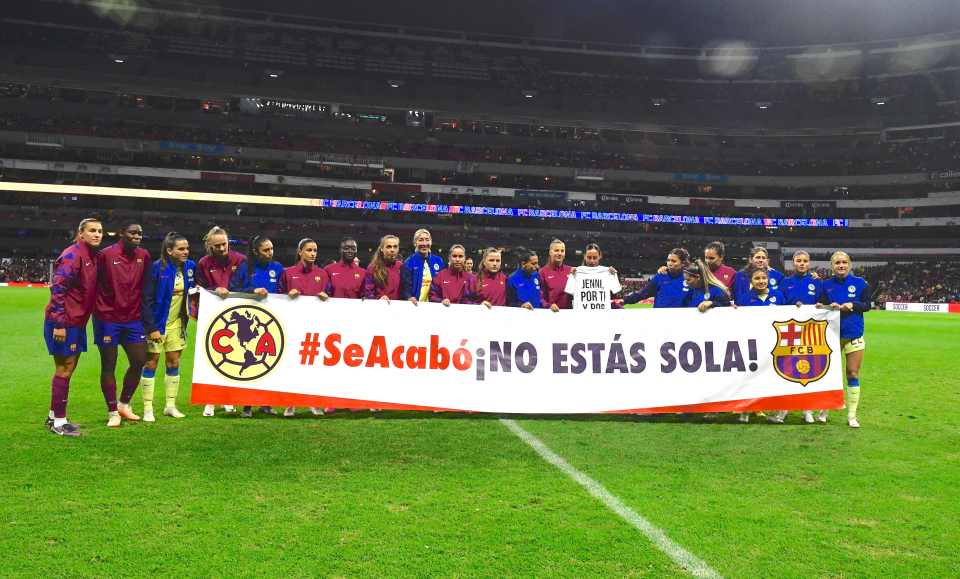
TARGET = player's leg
(172,384)
(135,347)
(148,377)
(64,367)
(854,360)
(175,343)
(108,383)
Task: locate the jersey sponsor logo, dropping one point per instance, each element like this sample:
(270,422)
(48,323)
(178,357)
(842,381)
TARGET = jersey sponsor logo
(773,299)
(436,267)
(244,342)
(801,354)
(317,279)
(773,282)
(811,287)
(273,273)
(851,288)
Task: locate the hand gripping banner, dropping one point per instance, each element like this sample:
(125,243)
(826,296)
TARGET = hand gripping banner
(378,354)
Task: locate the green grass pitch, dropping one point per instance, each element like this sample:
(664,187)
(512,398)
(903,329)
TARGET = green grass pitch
(408,494)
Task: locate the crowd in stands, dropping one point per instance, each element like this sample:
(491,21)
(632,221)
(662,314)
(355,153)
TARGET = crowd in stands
(25,269)
(649,154)
(925,282)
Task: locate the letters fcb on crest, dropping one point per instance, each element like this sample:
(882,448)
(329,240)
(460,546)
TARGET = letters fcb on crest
(802,354)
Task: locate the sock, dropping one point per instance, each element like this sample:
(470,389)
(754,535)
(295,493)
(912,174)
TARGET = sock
(147,381)
(172,386)
(130,382)
(51,415)
(58,422)
(853,396)
(59,390)
(108,385)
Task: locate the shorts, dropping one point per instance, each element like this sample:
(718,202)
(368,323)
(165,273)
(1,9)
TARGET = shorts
(854,345)
(174,340)
(75,343)
(116,334)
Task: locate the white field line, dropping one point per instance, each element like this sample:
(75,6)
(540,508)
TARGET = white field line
(685,559)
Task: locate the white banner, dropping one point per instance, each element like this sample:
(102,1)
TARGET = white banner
(922,308)
(380,354)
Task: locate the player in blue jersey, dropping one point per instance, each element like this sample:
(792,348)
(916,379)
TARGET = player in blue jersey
(850,295)
(759,293)
(523,285)
(668,289)
(260,275)
(802,288)
(706,291)
(759,259)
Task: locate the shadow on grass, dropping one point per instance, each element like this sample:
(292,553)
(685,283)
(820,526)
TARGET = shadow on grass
(726,419)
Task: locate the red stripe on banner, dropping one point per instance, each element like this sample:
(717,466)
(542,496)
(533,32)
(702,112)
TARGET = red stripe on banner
(213,394)
(831,399)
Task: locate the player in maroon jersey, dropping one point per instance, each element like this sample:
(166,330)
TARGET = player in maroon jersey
(491,281)
(118,318)
(214,272)
(73,293)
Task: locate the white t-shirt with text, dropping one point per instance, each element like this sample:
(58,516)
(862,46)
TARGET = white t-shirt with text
(591,287)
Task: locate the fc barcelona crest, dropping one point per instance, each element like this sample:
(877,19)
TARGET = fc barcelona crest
(801,354)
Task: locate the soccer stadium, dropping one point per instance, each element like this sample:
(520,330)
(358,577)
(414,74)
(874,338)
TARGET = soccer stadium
(467,289)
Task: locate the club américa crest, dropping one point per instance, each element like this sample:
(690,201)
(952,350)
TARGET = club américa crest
(244,342)
(801,354)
